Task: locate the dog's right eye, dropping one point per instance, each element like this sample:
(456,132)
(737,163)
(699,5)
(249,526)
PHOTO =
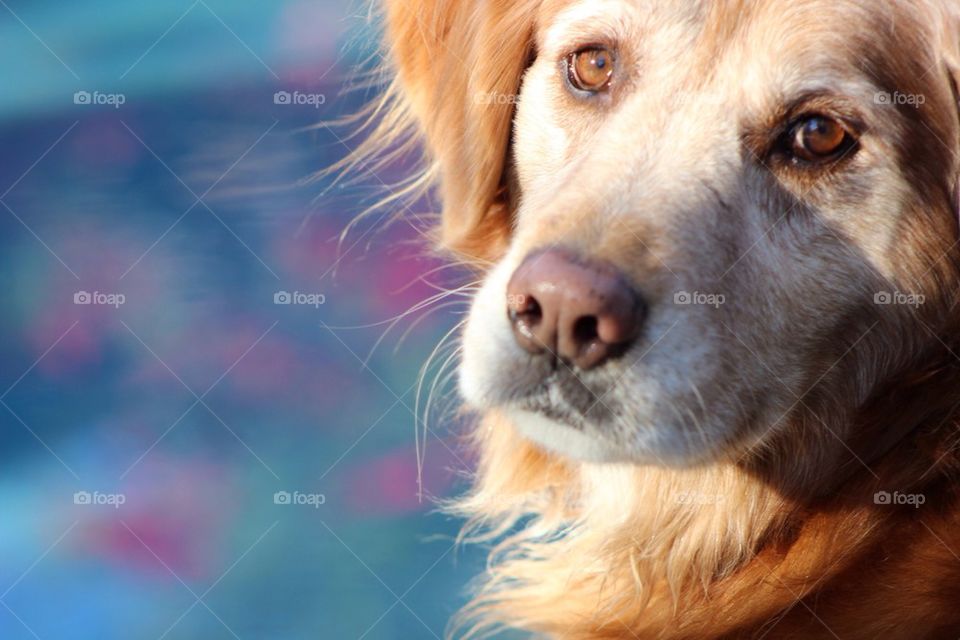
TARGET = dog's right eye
(591,69)
(819,139)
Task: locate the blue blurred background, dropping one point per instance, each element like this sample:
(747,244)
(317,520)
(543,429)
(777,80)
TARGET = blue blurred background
(192,444)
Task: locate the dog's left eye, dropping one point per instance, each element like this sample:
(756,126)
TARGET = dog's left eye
(591,69)
(819,138)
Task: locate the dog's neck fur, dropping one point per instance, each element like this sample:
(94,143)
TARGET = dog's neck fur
(683,553)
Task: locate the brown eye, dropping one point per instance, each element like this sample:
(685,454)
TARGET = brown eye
(819,138)
(591,69)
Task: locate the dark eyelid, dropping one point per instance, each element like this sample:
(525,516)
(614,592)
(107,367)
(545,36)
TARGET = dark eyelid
(788,141)
(764,138)
(827,104)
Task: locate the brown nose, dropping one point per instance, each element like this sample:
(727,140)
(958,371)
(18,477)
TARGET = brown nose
(582,312)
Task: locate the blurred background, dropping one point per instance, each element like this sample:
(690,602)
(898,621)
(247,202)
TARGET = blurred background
(199,437)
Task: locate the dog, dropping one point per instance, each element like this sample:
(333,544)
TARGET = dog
(714,344)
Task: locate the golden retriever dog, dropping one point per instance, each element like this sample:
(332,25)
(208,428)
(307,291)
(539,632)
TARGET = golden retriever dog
(714,344)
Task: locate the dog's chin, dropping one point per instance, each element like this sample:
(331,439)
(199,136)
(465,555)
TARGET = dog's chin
(563,416)
(563,438)
(598,417)
(584,442)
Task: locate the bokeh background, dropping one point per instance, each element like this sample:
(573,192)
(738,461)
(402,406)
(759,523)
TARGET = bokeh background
(184,455)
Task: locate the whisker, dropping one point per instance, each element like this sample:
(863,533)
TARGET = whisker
(425,316)
(420,451)
(417,307)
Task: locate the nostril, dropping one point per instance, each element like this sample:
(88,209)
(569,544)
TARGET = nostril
(534,330)
(525,312)
(530,309)
(524,306)
(585,330)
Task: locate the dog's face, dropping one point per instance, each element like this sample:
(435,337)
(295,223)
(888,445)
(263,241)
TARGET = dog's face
(749,169)
(770,180)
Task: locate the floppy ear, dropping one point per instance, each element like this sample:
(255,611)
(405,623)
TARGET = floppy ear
(951,56)
(459,64)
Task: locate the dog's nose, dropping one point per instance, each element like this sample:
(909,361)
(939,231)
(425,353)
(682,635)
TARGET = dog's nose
(580,311)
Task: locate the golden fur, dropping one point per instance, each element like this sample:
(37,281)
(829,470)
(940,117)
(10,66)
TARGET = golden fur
(784,540)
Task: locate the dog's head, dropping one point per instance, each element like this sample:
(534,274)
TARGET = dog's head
(705,219)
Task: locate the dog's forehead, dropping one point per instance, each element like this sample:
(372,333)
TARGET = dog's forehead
(791,25)
(770,49)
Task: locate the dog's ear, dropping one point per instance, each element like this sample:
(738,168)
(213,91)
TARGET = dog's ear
(950,53)
(950,46)
(459,65)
